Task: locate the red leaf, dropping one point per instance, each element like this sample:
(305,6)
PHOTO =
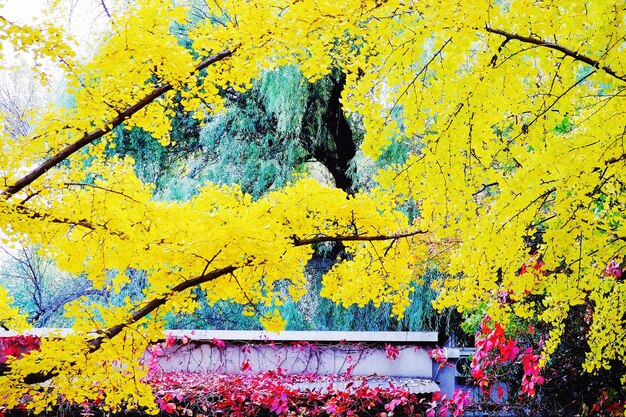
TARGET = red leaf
(392,352)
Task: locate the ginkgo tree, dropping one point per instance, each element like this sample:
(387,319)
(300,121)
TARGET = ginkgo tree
(513,111)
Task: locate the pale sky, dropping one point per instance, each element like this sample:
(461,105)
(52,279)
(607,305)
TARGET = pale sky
(22,11)
(82,18)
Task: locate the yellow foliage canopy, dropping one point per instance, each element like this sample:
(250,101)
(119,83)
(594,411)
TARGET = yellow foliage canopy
(514,111)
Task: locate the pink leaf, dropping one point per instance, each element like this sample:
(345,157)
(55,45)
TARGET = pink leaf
(219,343)
(391,352)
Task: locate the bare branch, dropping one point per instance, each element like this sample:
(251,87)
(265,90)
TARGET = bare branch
(106,10)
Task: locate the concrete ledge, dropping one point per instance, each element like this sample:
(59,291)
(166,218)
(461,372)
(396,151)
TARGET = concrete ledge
(321,352)
(262,336)
(309,336)
(325,358)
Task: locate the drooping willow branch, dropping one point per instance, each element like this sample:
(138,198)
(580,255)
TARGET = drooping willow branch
(555,46)
(88,138)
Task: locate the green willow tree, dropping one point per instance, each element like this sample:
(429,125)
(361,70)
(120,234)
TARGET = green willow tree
(262,139)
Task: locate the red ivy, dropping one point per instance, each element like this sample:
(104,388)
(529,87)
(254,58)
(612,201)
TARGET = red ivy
(16,346)
(238,395)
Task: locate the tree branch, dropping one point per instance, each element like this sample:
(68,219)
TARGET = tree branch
(615,159)
(158,302)
(148,308)
(551,45)
(55,305)
(420,72)
(106,10)
(77,222)
(96,134)
(544,195)
(358,238)
(152,305)
(84,184)
(484,187)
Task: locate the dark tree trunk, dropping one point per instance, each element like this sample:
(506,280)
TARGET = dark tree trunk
(326,133)
(341,134)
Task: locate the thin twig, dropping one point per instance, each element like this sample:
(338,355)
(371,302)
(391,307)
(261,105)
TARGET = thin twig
(82,184)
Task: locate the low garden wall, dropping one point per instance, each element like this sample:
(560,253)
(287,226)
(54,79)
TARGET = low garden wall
(256,372)
(400,358)
(403,357)
(324,353)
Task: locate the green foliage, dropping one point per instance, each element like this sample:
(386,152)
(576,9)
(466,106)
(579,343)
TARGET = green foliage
(564,127)
(164,166)
(313,312)
(250,146)
(323,314)
(285,92)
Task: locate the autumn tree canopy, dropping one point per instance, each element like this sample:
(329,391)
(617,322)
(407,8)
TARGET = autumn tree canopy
(513,112)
